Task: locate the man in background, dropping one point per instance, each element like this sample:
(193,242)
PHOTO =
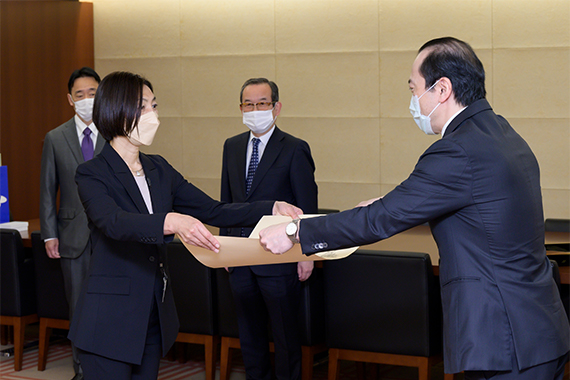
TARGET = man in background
(64,229)
(266,163)
(479,188)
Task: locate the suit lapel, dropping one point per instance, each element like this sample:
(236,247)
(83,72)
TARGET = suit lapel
(238,160)
(99,144)
(153,181)
(270,154)
(124,175)
(70,134)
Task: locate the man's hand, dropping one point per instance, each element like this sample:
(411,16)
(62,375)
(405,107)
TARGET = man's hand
(304,269)
(284,208)
(275,239)
(52,248)
(368,202)
(190,230)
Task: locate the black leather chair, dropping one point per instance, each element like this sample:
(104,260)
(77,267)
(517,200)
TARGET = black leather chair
(194,295)
(311,317)
(383,307)
(558,225)
(52,306)
(17,287)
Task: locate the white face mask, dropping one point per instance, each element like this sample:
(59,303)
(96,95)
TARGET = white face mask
(144,133)
(84,108)
(424,122)
(259,121)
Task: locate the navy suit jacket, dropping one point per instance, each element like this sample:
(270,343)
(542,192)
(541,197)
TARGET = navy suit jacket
(127,245)
(285,173)
(479,188)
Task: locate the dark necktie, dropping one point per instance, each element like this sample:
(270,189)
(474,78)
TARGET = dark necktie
(251,170)
(87,145)
(252,165)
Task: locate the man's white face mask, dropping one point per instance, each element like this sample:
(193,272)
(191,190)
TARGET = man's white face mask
(424,122)
(84,108)
(259,121)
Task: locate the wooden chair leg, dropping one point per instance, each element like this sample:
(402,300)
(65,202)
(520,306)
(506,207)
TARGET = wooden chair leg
(210,345)
(424,369)
(448,376)
(19,331)
(45,333)
(333,363)
(307,358)
(225,359)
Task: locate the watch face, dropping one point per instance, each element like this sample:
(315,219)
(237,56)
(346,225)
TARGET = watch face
(291,229)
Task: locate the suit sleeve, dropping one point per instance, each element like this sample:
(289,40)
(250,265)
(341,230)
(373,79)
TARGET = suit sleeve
(440,183)
(188,199)
(303,179)
(48,191)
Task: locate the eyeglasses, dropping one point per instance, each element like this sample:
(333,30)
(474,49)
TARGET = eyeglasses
(261,106)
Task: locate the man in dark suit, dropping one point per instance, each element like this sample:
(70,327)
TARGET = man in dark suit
(266,163)
(65,230)
(479,188)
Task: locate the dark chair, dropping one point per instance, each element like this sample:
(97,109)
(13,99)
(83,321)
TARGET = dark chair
(193,287)
(385,308)
(17,287)
(327,210)
(558,225)
(52,306)
(311,316)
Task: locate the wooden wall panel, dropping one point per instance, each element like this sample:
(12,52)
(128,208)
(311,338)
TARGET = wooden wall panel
(42,42)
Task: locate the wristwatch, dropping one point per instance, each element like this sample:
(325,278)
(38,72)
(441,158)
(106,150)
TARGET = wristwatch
(291,230)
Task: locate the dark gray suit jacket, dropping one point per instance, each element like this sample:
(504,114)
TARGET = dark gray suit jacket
(60,157)
(479,188)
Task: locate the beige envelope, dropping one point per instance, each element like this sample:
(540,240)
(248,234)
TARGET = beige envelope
(236,251)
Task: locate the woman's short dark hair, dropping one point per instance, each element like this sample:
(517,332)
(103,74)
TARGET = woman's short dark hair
(454,59)
(118,102)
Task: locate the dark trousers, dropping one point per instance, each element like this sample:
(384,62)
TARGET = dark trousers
(74,272)
(552,370)
(259,299)
(97,367)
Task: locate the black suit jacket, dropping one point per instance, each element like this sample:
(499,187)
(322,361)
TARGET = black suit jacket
(285,173)
(479,188)
(127,245)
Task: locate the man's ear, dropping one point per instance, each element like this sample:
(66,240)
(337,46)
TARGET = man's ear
(70,100)
(444,89)
(276,109)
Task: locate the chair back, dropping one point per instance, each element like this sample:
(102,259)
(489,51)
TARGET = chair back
(17,286)
(52,302)
(557,225)
(193,288)
(385,302)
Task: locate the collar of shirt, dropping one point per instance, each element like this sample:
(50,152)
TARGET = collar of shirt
(450,120)
(80,126)
(262,144)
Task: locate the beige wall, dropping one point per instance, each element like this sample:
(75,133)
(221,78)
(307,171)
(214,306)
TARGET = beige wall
(342,68)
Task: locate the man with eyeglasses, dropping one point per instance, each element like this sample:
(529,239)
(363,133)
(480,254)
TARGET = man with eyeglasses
(266,163)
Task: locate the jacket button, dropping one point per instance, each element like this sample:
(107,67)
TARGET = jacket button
(151,258)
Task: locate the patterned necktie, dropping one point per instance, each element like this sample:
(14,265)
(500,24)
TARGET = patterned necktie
(252,165)
(87,145)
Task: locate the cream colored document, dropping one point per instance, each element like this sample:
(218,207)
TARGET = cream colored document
(235,251)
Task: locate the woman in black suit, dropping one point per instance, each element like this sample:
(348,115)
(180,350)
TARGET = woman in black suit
(125,318)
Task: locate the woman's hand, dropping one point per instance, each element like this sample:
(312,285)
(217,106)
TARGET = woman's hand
(284,208)
(190,230)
